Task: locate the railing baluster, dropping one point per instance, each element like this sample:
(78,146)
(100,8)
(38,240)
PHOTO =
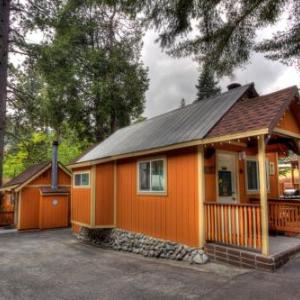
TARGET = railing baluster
(285,216)
(250,228)
(222,224)
(254,227)
(237,222)
(229,224)
(234,224)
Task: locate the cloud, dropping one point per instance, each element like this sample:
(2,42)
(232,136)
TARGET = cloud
(173,79)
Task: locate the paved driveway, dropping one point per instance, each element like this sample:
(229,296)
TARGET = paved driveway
(53,265)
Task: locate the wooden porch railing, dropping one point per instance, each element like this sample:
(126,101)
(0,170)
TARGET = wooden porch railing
(233,224)
(6,218)
(284,216)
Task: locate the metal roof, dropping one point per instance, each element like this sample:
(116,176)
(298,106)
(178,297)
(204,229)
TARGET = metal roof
(189,123)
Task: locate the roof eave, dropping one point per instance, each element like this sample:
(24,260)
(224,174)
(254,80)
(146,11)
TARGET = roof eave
(284,107)
(211,140)
(8,188)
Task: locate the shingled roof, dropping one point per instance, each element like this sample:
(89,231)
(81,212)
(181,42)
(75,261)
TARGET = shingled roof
(27,174)
(189,123)
(30,173)
(254,113)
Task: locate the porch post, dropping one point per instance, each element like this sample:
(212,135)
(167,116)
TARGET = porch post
(263,194)
(201,195)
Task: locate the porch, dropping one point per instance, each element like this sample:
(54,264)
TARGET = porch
(246,220)
(240,225)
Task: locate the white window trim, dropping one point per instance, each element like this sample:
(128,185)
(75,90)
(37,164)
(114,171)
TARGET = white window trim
(255,191)
(236,175)
(81,186)
(151,192)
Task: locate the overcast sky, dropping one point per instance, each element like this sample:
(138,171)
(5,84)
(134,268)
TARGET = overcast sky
(173,79)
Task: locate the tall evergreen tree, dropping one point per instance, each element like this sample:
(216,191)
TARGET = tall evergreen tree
(95,78)
(4,39)
(84,74)
(207,86)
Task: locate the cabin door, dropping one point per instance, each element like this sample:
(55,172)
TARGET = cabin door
(227,177)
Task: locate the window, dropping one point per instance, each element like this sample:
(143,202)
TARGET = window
(151,175)
(252,173)
(82,179)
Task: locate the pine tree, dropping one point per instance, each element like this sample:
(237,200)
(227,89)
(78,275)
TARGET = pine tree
(182,103)
(233,34)
(4,39)
(207,86)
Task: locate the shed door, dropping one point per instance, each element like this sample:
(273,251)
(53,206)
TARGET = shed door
(227,177)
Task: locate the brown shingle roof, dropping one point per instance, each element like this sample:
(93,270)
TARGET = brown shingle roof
(27,174)
(254,113)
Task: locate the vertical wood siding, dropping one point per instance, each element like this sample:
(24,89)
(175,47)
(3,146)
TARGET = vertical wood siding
(104,210)
(29,208)
(289,122)
(54,216)
(30,198)
(173,216)
(81,205)
(45,178)
(81,202)
(210,177)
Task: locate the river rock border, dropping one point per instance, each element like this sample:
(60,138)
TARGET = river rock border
(139,243)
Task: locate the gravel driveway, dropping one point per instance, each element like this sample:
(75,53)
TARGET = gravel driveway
(54,265)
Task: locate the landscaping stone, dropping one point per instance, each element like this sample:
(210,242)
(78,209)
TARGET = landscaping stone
(138,243)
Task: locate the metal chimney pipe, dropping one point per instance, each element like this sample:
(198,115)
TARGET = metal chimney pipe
(54,172)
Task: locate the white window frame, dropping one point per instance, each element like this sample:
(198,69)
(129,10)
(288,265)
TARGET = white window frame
(153,192)
(81,186)
(255,159)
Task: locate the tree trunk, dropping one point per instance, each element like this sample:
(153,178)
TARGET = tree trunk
(4,31)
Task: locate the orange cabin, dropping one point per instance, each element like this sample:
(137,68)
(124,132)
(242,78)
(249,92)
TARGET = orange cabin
(32,204)
(192,175)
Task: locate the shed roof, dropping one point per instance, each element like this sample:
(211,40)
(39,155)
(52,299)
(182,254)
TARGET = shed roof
(189,123)
(27,174)
(30,173)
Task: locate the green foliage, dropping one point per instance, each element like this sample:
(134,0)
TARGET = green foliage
(207,86)
(38,148)
(92,69)
(80,83)
(227,30)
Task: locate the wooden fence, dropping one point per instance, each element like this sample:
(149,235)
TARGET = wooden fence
(284,216)
(233,224)
(6,218)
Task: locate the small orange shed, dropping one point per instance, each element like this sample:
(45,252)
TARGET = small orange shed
(38,203)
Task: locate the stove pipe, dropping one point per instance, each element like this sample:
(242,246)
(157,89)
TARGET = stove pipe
(54,172)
